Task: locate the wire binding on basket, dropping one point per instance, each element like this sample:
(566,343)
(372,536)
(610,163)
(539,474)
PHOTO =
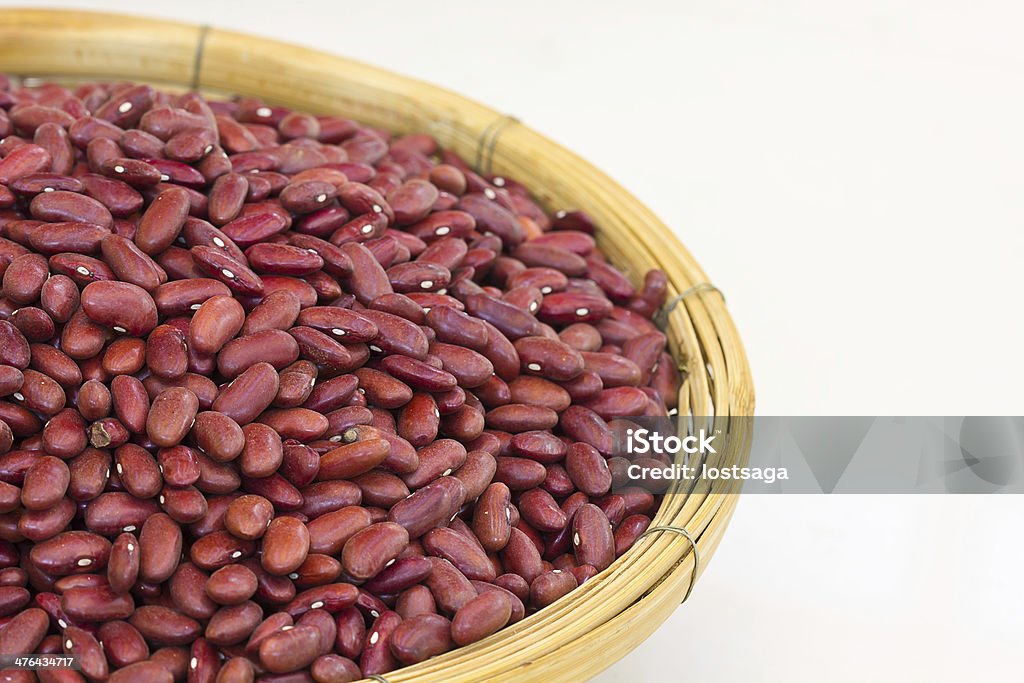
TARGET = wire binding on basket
(693,544)
(197,61)
(378,678)
(661,317)
(488,141)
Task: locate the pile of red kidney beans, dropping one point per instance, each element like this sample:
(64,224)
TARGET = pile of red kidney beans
(286,398)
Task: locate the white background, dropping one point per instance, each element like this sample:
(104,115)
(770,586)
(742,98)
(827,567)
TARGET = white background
(850,175)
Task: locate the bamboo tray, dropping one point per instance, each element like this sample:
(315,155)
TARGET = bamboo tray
(597,624)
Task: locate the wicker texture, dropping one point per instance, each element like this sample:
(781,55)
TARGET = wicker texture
(609,615)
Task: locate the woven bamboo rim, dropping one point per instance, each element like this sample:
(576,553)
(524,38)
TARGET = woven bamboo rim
(611,614)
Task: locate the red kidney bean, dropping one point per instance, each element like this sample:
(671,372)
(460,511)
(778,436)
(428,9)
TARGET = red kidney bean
(329,532)
(275,347)
(124,563)
(449,587)
(122,643)
(171,416)
(96,603)
(480,617)
(187,589)
(593,541)
(247,517)
(218,549)
(520,417)
(248,394)
(550,586)
(218,435)
(142,671)
(476,472)
(232,624)
(352,459)
(582,424)
(122,306)
(377,657)
(289,650)
(160,544)
(25,631)
(162,221)
(520,556)
(46,482)
(285,545)
(428,507)
(216,321)
(467,556)
(164,626)
(371,549)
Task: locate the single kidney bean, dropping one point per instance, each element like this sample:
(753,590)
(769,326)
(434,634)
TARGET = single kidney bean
(371,549)
(352,459)
(300,463)
(466,555)
(262,453)
(187,589)
(588,469)
(329,532)
(236,670)
(285,545)
(377,657)
(248,517)
(163,220)
(122,306)
(449,587)
(331,597)
(164,626)
(519,474)
(232,624)
(429,506)
(492,517)
(297,382)
(25,631)
(290,650)
(520,556)
(582,424)
(275,347)
(124,563)
(216,321)
(277,311)
(593,540)
(332,668)
(351,632)
(421,637)
(91,657)
(550,586)
(46,482)
(114,512)
(160,544)
(218,435)
(142,671)
(171,416)
(218,549)
(71,552)
(480,617)
(415,601)
(122,643)
(96,603)
(248,394)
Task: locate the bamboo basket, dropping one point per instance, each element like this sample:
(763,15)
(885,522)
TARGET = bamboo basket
(595,625)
